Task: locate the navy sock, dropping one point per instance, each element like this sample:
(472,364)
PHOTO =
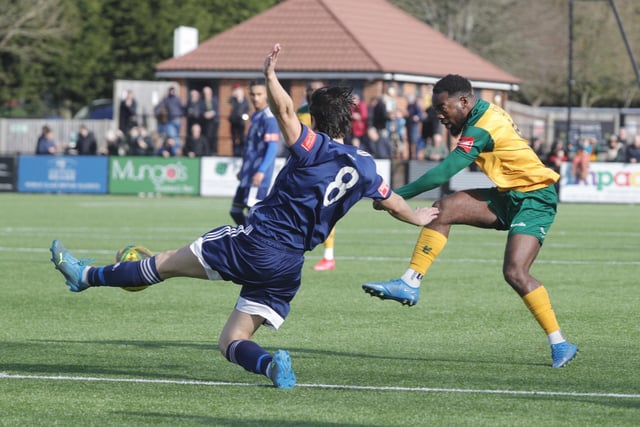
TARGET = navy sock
(128,273)
(238,216)
(249,355)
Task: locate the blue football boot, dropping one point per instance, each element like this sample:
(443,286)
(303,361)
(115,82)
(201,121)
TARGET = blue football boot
(281,372)
(396,289)
(69,266)
(562,353)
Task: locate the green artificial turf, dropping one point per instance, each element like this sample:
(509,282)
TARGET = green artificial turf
(469,354)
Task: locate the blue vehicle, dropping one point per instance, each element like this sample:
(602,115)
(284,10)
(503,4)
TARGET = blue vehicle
(98,109)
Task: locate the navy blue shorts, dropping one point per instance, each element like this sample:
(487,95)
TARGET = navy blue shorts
(270,274)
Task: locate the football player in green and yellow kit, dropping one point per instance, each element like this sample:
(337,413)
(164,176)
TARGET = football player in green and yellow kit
(523,201)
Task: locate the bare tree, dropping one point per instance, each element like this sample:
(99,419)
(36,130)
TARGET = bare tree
(28,27)
(530,39)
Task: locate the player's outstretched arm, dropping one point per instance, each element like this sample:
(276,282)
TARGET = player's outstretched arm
(280,102)
(436,176)
(399,209)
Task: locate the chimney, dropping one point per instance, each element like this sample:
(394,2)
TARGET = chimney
(185,39)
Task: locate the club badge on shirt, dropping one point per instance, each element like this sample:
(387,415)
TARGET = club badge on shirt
(309,141)
(384,189)
(465,143)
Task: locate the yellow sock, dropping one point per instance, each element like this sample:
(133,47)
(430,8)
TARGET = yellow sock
(539,304)
(328,245)
(330,240)
(429,245)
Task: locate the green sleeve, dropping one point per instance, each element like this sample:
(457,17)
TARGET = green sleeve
(435,177)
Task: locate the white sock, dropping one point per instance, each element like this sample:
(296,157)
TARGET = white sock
(555,338)
(328,253)
(412,278)
(85,274)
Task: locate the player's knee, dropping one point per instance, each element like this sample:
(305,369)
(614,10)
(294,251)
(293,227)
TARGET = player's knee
(164,264)
(514,275)
(223,345)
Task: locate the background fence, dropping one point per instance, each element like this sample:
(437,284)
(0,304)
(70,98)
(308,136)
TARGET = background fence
(547,123)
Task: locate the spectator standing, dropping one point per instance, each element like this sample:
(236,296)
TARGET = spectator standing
(303,112)
(390,102)
(557,156)
(86,144)
(46,144)
(633,150)
(170,111)
(377,145)
(538,147)
(430,128)
(614,151)
(414,118)
(436,150)
(581,160)
(259,155)
(210,119)
(196,145)
(359,121)
(194,110)
(128,114)
(238,118)
(623,136)
(397,131)
(378,114)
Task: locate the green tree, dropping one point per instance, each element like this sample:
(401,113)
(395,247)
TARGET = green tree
(60,54)
(31,33)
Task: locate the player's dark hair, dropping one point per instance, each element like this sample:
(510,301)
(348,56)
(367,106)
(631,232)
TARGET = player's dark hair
(453,84)
(257,82)
(331,109)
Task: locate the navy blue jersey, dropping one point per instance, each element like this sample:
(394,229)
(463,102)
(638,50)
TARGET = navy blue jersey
(257,156)
(320,182)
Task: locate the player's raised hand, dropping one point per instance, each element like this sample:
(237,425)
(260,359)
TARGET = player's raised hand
(271,59)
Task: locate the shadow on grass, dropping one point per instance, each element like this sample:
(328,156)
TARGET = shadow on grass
(298,352)
(136,343)
(163,418)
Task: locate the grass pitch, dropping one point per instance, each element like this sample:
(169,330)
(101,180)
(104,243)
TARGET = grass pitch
(469,354)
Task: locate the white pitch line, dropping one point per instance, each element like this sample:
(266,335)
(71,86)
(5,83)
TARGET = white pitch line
(4,375)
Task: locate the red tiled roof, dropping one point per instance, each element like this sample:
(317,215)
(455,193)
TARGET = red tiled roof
(340,36)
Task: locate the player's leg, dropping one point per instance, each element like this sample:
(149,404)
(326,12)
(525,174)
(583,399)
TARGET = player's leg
(520,253)
(328,261)
(527,232)
(238,205)
(236,345)
(465,207)
(79,276)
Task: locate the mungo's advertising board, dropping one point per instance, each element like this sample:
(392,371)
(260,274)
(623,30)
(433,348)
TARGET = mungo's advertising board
(154,175)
